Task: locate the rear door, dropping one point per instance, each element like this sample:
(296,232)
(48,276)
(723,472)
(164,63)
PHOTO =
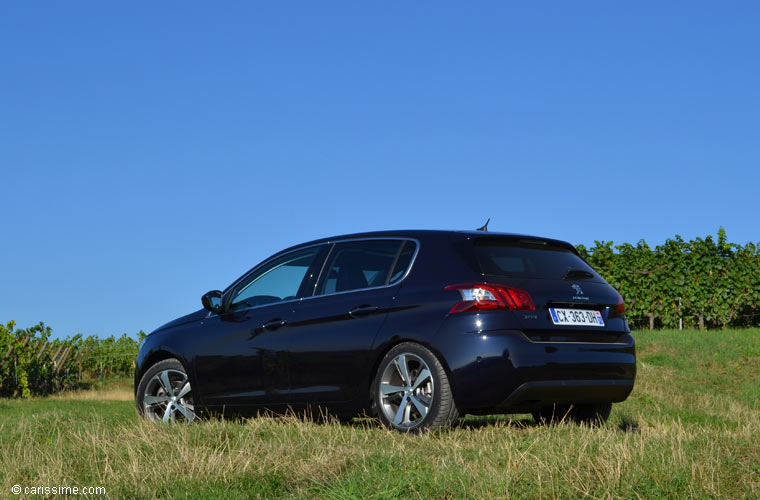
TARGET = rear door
(330,342)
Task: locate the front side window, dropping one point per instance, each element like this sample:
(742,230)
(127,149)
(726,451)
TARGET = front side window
(276,281)
(356,265)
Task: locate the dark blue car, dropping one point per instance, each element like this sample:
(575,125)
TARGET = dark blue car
(416,327)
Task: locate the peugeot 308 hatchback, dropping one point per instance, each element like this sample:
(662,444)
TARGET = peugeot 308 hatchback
(416,327)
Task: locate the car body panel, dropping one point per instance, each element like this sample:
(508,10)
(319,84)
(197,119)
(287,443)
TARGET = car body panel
(239,362)
(328,347)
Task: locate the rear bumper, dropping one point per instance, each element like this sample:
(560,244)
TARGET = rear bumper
(532,396)
(507,371)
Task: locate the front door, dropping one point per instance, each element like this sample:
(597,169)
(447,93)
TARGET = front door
(242,361)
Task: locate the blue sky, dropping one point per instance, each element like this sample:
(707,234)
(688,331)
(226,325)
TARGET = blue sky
(151,151)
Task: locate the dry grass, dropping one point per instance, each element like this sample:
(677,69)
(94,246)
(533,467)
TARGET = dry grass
(678,436)
(118,394)
(287,456)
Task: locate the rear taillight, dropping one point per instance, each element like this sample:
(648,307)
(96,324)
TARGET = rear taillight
(484,296)
(620,308)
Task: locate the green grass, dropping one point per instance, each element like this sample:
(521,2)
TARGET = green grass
(689,430)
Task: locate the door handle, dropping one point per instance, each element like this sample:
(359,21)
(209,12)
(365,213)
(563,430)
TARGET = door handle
(274,324)
(357,312)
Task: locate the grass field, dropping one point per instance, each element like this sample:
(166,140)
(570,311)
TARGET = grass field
(689,430)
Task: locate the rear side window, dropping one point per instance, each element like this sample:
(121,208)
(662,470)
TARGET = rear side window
(403,261)
(356,265)
(526,259)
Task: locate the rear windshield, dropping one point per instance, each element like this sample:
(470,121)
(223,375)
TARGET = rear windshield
(526,259)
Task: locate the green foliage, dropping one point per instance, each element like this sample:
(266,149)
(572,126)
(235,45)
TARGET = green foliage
(31,363)
(704,282)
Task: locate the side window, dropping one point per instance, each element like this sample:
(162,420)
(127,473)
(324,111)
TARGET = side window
(279,280)
(360,264)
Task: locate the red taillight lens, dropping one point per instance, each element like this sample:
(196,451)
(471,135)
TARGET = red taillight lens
(620,308)
(484,296)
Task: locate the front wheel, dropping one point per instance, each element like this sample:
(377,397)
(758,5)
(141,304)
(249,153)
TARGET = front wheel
(411,391)
(164,393)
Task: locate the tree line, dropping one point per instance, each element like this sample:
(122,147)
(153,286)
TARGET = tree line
(702,283)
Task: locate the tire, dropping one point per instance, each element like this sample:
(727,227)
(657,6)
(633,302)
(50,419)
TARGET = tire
(411,391)
(164,393)
(552,414)
(589,414)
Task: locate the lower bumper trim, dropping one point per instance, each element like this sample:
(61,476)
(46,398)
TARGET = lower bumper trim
(531,396)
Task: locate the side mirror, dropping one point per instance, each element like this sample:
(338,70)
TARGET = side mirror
(212,301)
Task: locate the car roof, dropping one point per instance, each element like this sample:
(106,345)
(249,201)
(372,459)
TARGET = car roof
(422,234)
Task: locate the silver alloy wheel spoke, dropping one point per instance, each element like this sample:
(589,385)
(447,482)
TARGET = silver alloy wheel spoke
(401,417)
(152,400)
(186,411)
(168,412)
(163,378)
(388,389)
(421,377)
(183,391)
(408,414)
(402,369)
(424,399)
(420,407)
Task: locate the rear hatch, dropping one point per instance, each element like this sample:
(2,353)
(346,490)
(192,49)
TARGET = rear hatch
(572,302)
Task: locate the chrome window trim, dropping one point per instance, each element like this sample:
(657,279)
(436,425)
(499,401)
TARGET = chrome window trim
(328,243)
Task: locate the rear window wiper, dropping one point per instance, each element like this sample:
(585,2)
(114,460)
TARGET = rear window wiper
(577,274)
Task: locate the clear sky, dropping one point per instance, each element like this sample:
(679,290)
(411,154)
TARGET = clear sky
(151,151)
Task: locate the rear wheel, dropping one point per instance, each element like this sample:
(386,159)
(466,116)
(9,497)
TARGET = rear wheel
(164,393)
(411,391)
(552,414)
(590,414)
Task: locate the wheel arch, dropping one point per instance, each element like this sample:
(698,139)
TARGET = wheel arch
(153,357)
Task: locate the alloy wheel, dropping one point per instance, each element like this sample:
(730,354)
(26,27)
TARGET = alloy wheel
(168,397)
(406,391)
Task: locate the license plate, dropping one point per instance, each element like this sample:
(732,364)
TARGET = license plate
(576,317)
